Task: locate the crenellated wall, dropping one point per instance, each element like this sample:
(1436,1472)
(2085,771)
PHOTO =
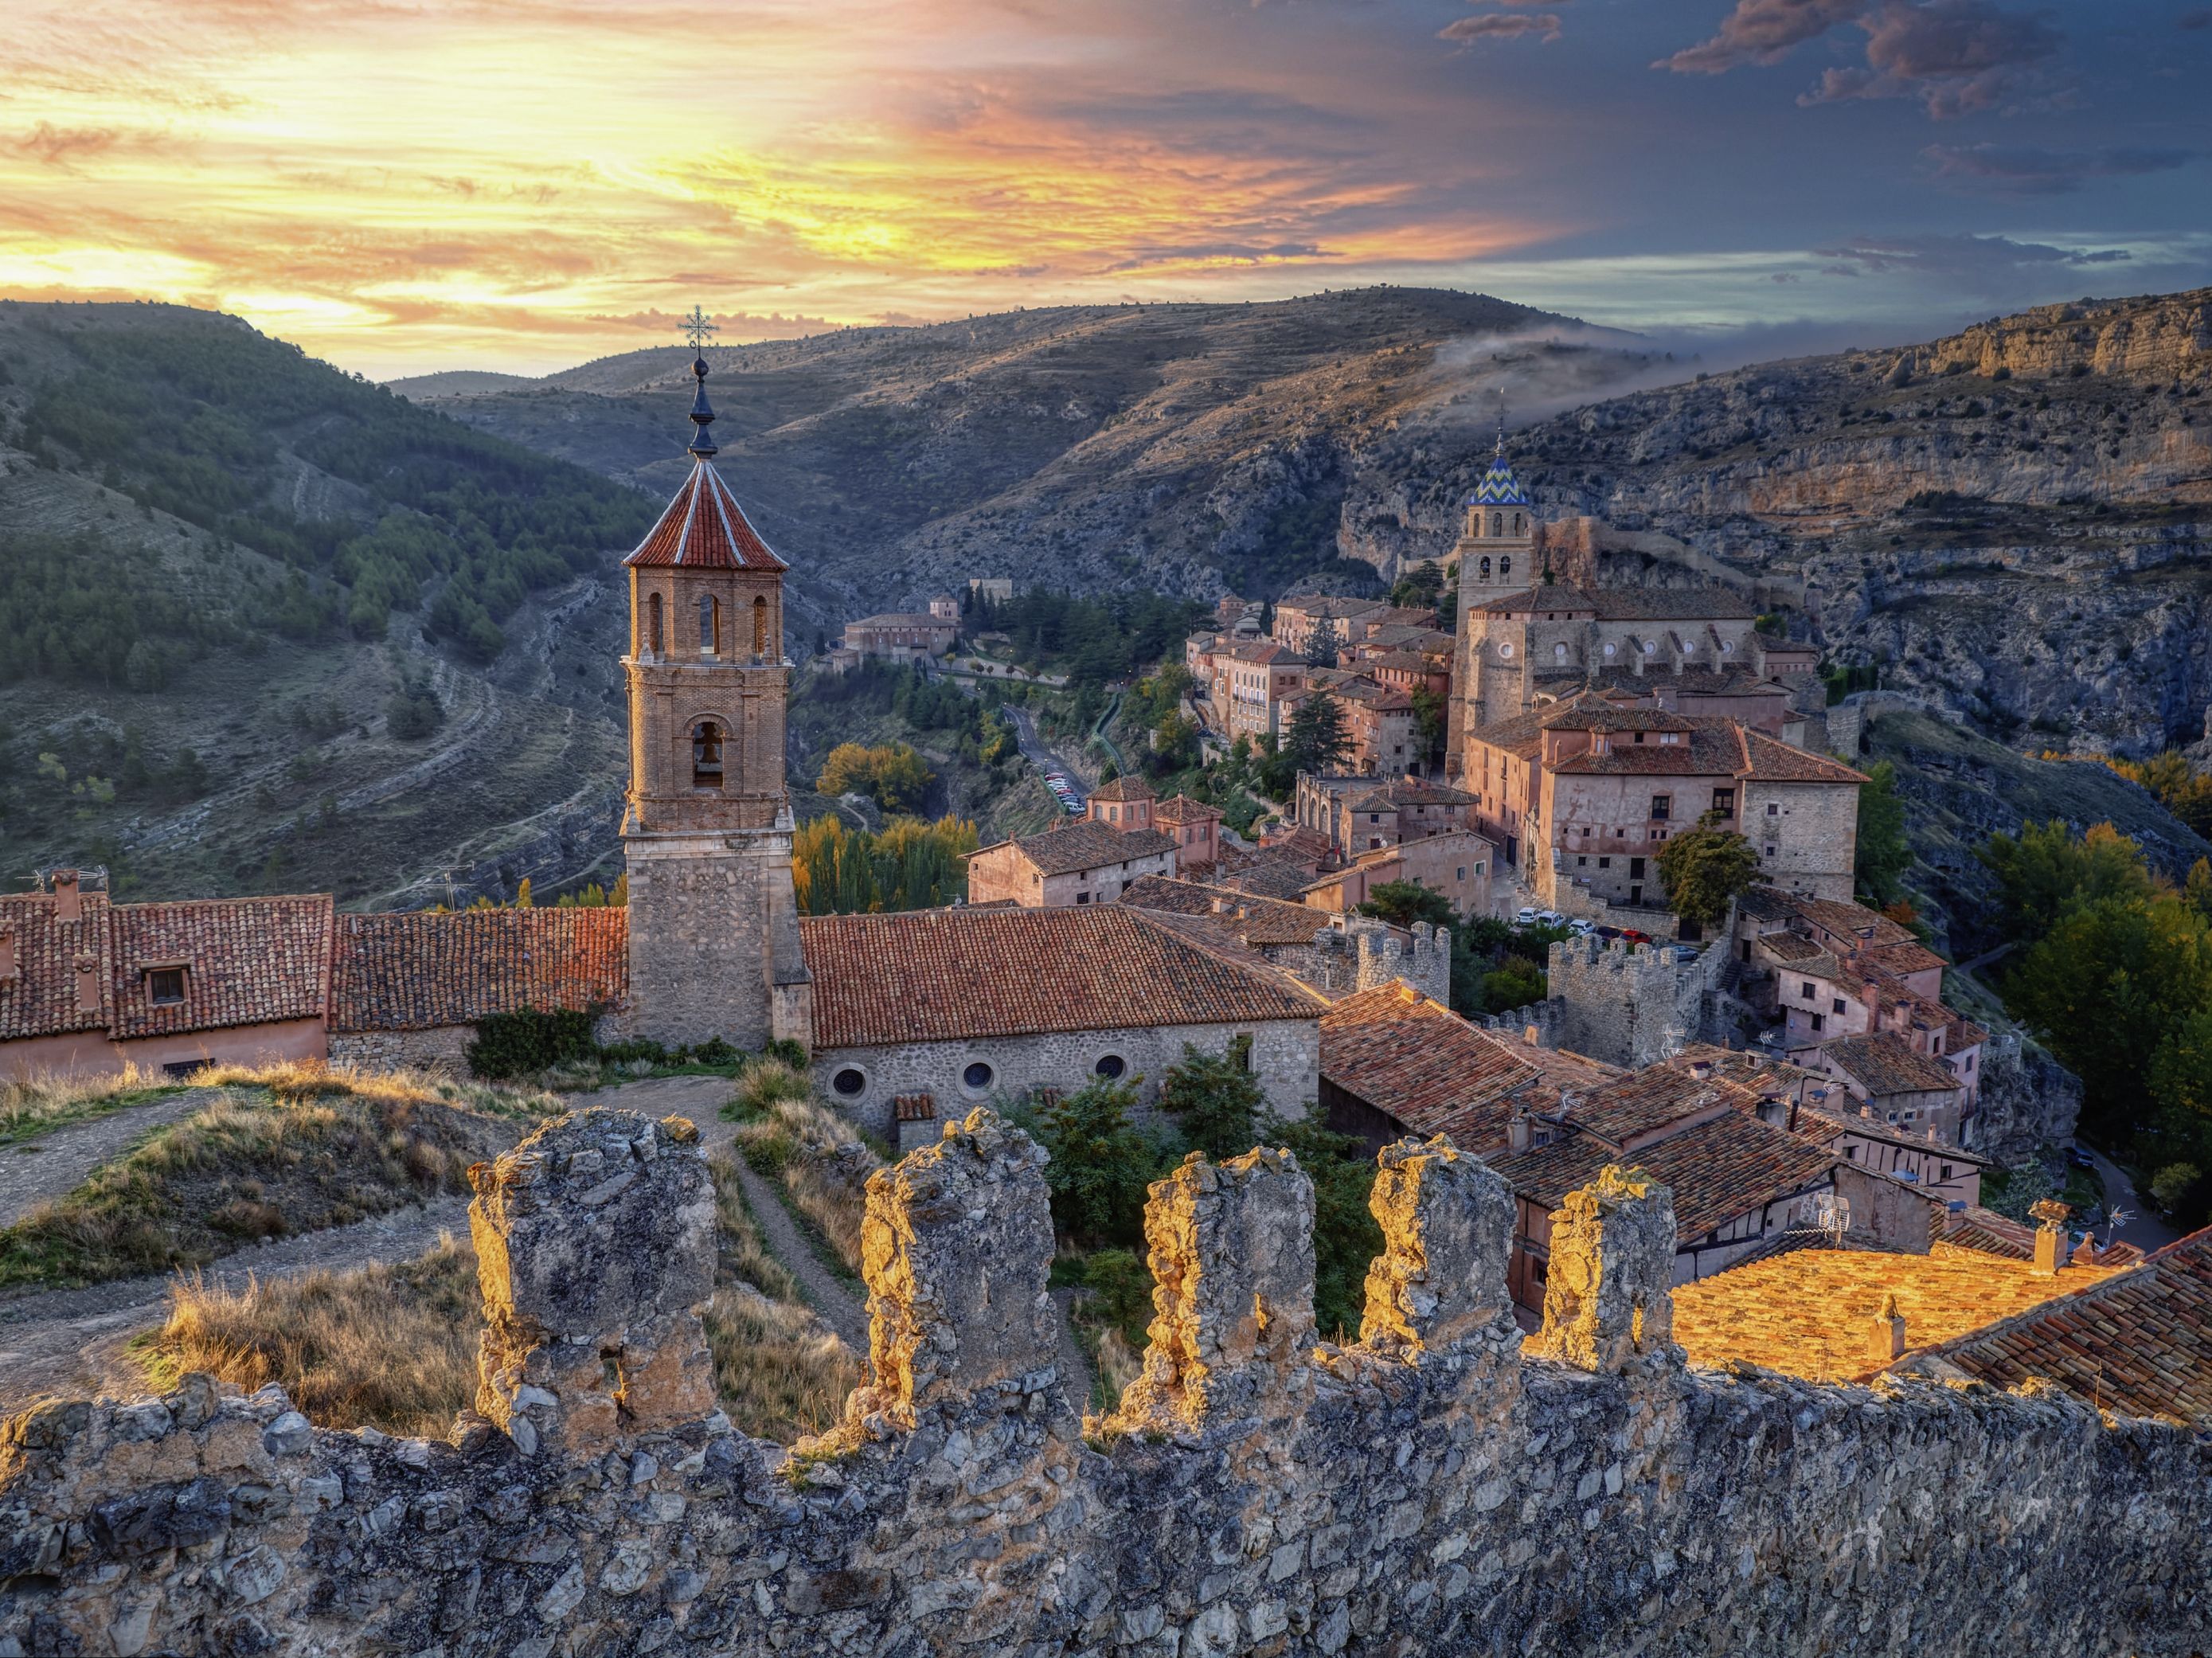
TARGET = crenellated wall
(1438,1488)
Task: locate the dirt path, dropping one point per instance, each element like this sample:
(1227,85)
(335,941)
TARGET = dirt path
(835,1305)
(45,1166)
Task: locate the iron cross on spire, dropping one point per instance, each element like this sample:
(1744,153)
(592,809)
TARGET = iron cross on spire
(1501,417)
(697,329)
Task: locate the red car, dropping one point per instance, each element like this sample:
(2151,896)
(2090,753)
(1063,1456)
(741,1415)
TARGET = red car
(1634,937)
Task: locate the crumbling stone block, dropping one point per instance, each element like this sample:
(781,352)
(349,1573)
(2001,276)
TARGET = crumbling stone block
(595,1250)
(1447,1222)
(1607,1305)
(956,1246)
(1232,1259)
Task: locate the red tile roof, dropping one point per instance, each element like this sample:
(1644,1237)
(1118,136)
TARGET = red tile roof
(1771,760)
(1884,1063)
(2138,1342)
(1125,788)
(40,998)
(1422,1064)
(1254,920)
(704,528)
(246,961)
(418,971)
(1718,1171)
(1181,809)
(949,975)
(1086,844)
(1619,1111)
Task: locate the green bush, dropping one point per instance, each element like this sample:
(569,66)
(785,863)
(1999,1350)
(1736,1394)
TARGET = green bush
(520,1044)
(2171,1182)
(1124,1288)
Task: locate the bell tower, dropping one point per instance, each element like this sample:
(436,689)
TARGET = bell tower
(706,830)
(1496,556)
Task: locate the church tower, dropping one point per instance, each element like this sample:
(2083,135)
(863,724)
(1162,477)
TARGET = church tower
(1496,556)
(706,832)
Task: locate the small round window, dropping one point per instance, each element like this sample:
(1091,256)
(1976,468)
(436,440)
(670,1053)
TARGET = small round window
(1110,1066)
(1728,647)
(848,1082)
(978,1076)
(1505,650)
(1649,645)
(1558,652)
(1610,647)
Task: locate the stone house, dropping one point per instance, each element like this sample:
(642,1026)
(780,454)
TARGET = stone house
(1126,804)
(1404,669)
(1354,814)
(966,1005)
(408,989)
(1248,681)
(1584,794)
(1296,615)
(88,987)
(1456,864)
(1378,722)
(1736,1180)
(1883,1073)
(1394,1062)
(902,636)
(1197,830)
(1087,862)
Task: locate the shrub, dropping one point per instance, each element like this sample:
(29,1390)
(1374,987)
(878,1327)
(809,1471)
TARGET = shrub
(1216,1099)
(1098,1162)
(2168,1185)
(1123,1286)
(517,1044)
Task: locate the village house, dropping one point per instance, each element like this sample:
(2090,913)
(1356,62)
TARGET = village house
(902,636)
(1068,865)
(1585,793)
(1125,802)
(1354,814)
(1379,725)
(1456,864)
(1298,615)
(1401,668)
(967,1006)
(1196,828)
(1246,684)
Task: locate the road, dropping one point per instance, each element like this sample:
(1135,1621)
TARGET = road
(1035,750)
(2145,1231)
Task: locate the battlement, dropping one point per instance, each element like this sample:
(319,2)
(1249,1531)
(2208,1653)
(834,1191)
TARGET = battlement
(1436,1487)
(1632,1004)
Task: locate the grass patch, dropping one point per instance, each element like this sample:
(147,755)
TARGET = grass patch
(42,1104)
(392,1347)
(290,1150)
(820,1162)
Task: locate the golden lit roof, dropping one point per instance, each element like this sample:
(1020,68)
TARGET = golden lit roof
(1811,1313)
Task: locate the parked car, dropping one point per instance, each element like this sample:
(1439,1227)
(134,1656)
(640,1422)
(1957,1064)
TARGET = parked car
(1550,918)
(2079,1157)
(1608,932)
(1524,917)
(1580,928)
(1073,805)
(1634,937)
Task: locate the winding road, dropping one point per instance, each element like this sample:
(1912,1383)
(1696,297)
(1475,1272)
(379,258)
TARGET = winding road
(1035,749)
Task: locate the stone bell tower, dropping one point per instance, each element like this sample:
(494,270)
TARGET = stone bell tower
(713,923)
(1497,554)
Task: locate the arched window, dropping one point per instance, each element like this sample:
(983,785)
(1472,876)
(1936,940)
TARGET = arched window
(653,624)
(759,626)
(1486,567)
(1498,524)
(706,755)
(710,625)
(1505,567)
(1516,524)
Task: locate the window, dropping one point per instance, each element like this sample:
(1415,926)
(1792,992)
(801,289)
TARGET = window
(1581,863)
(653,624)
(1808,993)
(165,986)
(1478,869)
(1819,1023)
(1605,863)
(1773,809)
(1635,869)
(1725,802)
(849,1081)
(1836,1005)
(1661,805)
(1770,852)
(183,1071)
(1498,524)
(1486,569)
(760,627)
(1461,876)
(1082,897)
(1110,1066)
(1636,894)
(977,1077)
(1504,568)
(706,755)
(710,625)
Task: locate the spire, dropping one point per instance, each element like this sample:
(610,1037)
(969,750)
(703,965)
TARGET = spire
(703,413)
(1501,421)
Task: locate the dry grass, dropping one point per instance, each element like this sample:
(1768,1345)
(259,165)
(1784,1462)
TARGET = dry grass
(395,1347)
(295,1151)
(36,1105)
(390,1347)
(1119,1364)
(820,1158)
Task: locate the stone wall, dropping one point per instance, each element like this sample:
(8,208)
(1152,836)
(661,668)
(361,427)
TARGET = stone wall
(443,1048)
(714,938)
(1632,1006)
(1285,1057)
(2028,1100)
(1437,1487)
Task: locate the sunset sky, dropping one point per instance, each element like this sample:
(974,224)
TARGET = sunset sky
(402,186)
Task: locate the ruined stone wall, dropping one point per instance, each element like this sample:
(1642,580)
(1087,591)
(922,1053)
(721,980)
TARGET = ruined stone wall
(1285,1057)
(442,1048)
(2027,1101)
(1632,1007)
(1437,1488)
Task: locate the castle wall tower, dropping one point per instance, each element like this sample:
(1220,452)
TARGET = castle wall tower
(706,832)
(1497,554)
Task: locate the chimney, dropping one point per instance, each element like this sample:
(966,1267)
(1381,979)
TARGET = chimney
(1519,1131)
(2050,1236)
(1887,1345)
(69,905)
(1866,1111)
(1530,1035)
(2085,1253)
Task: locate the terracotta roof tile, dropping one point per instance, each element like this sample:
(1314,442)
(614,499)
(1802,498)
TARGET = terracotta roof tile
(41,998)
(944,976)
(246,961)
(1885,1063)
(1719,1169)
(1083,845)
(1771,760)
(1422,1064)
(1181,809)
(1630,1106)
(704,528)
(1125,788)
(1992,1234)
(1810,1313)
(423,969)
(1254,920)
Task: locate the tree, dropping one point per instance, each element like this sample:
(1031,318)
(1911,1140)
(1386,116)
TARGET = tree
(2197,890)
(1098,1163)
(1216,1099)
(2181,1085)
(2051,870)
(1514,983)
(1175,741)
(1419,588)
(1432,720)
(1401,903)
(1324,642)
(1346,1236)
(1705,870)
(892,776)
(1884,853)
(1316,739)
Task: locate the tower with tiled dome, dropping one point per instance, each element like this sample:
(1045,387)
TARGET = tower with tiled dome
(707,828)
(1496,556)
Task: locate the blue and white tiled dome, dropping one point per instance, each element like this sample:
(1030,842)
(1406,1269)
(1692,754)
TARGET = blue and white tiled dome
(1499,488)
